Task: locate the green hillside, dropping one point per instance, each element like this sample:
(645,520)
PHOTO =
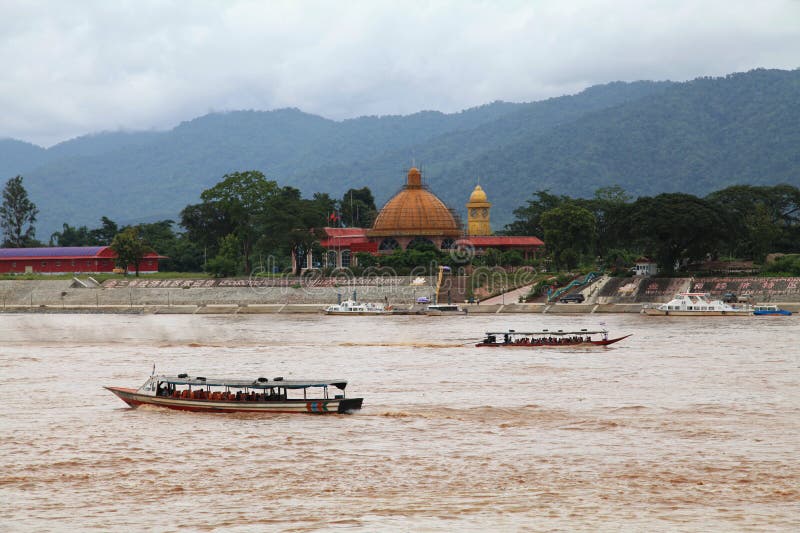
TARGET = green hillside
(648,137)
(694,137)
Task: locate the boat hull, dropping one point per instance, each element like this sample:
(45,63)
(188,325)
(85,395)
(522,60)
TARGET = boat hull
(581,344)
(357,313)
(311,406)
(660,312)
(782,312)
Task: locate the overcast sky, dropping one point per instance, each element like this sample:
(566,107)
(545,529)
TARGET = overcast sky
(76,67)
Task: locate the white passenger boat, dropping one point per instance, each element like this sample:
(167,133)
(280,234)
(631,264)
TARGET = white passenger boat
(352,307)
(696,304)
(225,395)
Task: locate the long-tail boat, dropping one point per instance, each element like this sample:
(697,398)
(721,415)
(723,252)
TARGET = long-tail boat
(224,395)
(546,338)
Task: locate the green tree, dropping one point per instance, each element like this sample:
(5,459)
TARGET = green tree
(226,262)
(512,258)
(182,254)
(569,227)
(235,206)
(528,218)
(676,228)
(357,208)
(70,236)
(104,235)
(130,248)
(17,215)
(760,219)
(611,209)
(83,236)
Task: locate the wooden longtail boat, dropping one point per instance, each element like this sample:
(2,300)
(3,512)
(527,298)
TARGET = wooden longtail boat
(546,339)
(223,395)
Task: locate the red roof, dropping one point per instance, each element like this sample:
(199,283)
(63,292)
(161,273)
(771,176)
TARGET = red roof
(501,241)
(64,252)
(344,237)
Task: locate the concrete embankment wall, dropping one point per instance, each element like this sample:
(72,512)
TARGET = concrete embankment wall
(617,295)
(22,295)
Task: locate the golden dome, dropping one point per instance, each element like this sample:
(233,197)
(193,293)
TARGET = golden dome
(414,211)
(478,195)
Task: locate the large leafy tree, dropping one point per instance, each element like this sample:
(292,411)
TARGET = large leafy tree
(70,236)
(529,217)
(760,219)
(103,235)
(17,215)
(569,230)
(182,253)
(676,227)
(130,248)
(357,208)
(291,225)
(226,262)
(232,206)
(83,236)
(610,207)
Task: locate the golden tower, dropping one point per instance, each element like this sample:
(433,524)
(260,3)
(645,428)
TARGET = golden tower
(478,213)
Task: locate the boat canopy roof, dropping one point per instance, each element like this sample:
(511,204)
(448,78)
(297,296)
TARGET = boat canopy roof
(548,332)
(258,383)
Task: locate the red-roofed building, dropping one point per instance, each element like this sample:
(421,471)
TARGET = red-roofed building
(69,259)
(416,215)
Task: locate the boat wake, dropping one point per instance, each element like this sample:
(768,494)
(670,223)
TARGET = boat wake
(404,344)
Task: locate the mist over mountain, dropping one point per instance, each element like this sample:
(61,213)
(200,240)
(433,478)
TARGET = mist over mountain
(647,137)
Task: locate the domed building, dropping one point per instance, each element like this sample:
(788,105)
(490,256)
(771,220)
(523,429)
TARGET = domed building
(416,215)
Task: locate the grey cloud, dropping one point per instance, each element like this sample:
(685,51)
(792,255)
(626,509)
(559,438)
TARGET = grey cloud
(76,67)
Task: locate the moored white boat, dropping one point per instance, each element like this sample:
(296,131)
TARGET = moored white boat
(696,304)
(352,307)
(225,395)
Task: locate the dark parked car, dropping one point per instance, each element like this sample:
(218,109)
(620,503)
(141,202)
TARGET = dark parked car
(577,298)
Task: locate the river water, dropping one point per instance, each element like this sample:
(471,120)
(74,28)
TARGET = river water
(690,424)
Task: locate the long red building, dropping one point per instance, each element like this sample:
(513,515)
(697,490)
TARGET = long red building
(69,259)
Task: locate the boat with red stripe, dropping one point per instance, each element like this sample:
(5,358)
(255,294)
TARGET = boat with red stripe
(226,395)
(547,339)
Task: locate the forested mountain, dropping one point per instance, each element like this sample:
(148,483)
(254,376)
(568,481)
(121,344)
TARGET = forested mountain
(647,137)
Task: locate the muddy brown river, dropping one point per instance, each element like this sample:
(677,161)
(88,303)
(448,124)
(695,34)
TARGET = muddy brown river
(691,424)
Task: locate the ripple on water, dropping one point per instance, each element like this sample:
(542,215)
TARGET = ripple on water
(650,436)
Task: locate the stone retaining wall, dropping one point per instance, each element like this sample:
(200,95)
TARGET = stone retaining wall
(616,296)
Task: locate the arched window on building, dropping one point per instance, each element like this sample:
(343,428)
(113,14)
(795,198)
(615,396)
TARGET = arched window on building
(346,258)
(388,244)
(330,259)
(447,244)
(419,241)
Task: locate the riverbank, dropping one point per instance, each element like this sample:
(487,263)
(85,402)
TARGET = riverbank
(255,309)
(233,297)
